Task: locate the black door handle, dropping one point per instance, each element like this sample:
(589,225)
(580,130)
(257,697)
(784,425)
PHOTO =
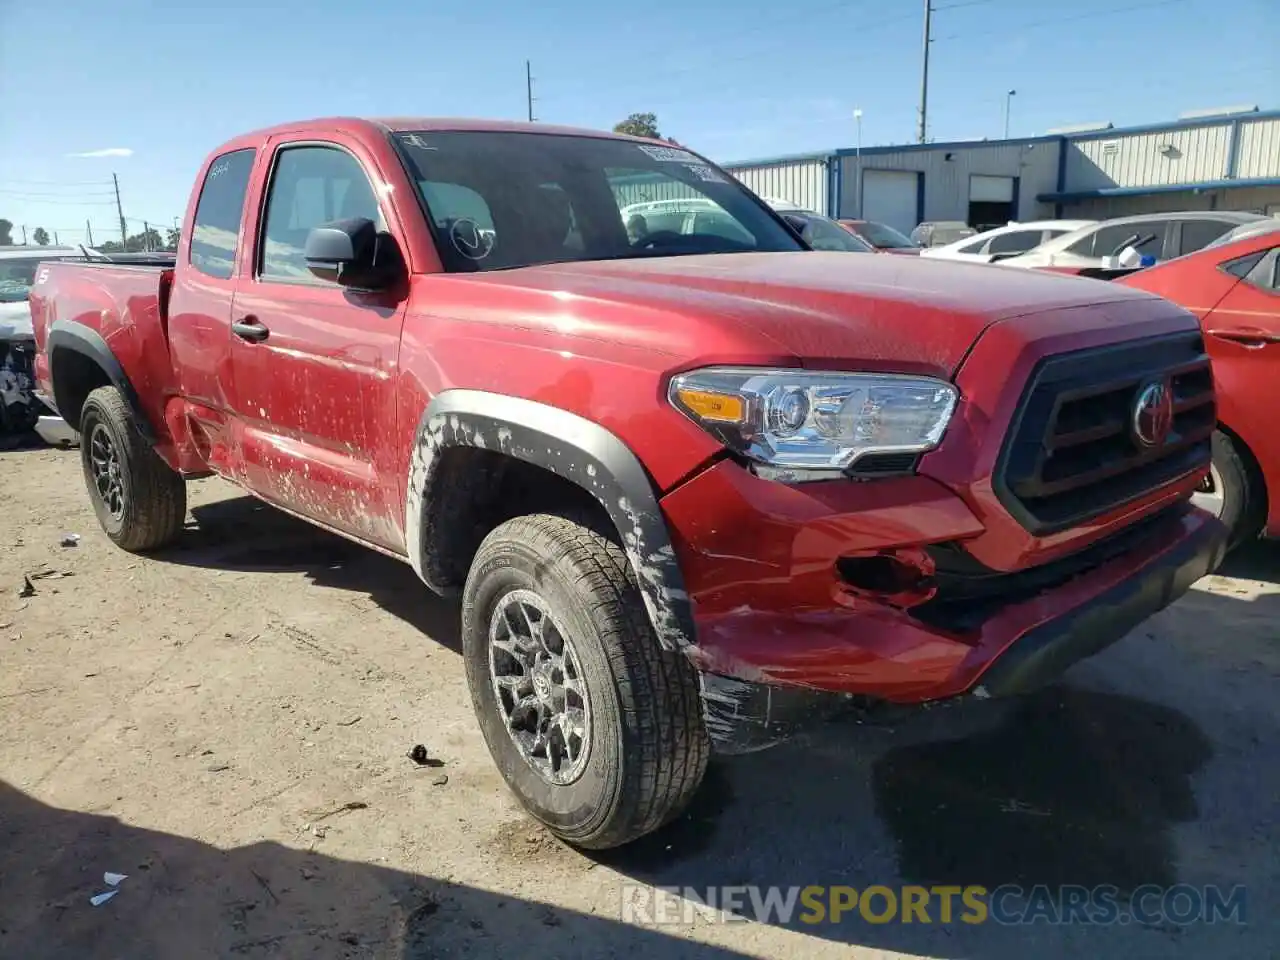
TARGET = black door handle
(250,328)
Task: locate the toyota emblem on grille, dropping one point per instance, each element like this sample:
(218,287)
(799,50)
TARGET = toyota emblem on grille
(1153,414)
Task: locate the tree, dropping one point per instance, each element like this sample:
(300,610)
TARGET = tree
(171,242)
(640,125)
(137,243)
(6,237)
(41,236)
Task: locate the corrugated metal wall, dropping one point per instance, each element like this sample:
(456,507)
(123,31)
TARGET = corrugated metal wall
(946,182)
(1259,152)
(802,181)
(638,189)
(1254,199)
(1149,159)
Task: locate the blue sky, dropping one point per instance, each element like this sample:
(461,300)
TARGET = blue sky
(734,80)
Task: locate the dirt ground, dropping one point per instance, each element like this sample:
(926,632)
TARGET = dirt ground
(227,724)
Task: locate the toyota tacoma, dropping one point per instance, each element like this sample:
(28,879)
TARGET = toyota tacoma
(693,487)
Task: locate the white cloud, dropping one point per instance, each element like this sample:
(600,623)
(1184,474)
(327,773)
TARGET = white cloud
(105,152)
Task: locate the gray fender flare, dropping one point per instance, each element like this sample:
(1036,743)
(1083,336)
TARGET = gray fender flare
(575,449)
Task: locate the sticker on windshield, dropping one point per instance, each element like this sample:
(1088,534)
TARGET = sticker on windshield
(669,154)
(470,239)
(703,172)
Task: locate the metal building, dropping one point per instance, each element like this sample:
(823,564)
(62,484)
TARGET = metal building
(1226,160)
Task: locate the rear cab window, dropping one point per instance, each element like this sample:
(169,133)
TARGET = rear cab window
(219,211)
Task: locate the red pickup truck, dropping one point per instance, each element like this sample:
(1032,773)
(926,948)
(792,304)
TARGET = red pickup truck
(693,486)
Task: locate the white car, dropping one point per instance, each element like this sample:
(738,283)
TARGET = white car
(1006,241)
(20,409)
(1161,236)
(785,206)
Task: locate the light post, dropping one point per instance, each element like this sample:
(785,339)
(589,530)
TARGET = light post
(857,119)
(1008,101)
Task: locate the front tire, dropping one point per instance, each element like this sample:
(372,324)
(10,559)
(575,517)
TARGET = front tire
(596,729)
(1234,491)
(140,502)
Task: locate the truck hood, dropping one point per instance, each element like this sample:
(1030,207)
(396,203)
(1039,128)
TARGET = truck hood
(15,321)
(908,313)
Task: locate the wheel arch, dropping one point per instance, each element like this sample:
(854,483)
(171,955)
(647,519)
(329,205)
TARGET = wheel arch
(80,361)
(582,454)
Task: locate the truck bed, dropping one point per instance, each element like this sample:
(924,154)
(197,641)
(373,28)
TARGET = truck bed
(122,307)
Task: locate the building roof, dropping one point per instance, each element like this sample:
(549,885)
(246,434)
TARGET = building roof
(1070,196)
(1106,133)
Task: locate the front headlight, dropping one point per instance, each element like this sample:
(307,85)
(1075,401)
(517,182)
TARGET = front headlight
(812,424)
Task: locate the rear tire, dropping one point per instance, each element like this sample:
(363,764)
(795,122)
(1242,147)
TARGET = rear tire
(642,746)
(1234,491)
(140,502)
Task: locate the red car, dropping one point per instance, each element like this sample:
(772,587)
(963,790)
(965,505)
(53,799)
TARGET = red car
(1233,286)
(881,237)
(692,486)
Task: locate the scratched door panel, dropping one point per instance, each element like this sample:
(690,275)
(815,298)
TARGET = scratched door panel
(316,403)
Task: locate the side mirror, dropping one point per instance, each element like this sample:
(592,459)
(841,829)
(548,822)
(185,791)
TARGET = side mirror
(352,253)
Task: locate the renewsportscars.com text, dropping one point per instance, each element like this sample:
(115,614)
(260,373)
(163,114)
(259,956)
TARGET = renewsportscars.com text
(1149,905)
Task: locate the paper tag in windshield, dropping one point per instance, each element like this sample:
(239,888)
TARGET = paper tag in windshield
(703,172)
(669,154)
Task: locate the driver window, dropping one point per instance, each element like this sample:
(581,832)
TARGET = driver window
(310,186)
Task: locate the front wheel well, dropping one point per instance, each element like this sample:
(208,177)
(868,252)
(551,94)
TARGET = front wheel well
(471,491)
(75,376)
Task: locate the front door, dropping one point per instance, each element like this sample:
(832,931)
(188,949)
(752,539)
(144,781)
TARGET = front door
(313,362)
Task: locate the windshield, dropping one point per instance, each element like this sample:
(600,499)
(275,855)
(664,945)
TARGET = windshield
(884,236)
(824,234)
(950,233)
(497,200)
(17,274)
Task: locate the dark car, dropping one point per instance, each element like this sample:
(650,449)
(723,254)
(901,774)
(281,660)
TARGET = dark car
(823,233)
(881,237)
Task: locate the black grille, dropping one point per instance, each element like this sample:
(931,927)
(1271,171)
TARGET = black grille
(1071,455)
(970,593)
(877,465)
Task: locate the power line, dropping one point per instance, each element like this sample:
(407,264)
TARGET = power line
(751,55)
(67,203)
(1092,15)
(57,183)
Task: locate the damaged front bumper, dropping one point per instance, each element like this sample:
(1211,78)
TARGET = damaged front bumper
(783,640)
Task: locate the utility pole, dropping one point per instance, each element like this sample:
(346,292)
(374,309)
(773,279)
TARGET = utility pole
(528,88)
(146,236)
(24,234)
(924,75)
(56,241)
(124,232)
(88,229)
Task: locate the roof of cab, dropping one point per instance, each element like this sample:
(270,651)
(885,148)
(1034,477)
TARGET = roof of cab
(384,125)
